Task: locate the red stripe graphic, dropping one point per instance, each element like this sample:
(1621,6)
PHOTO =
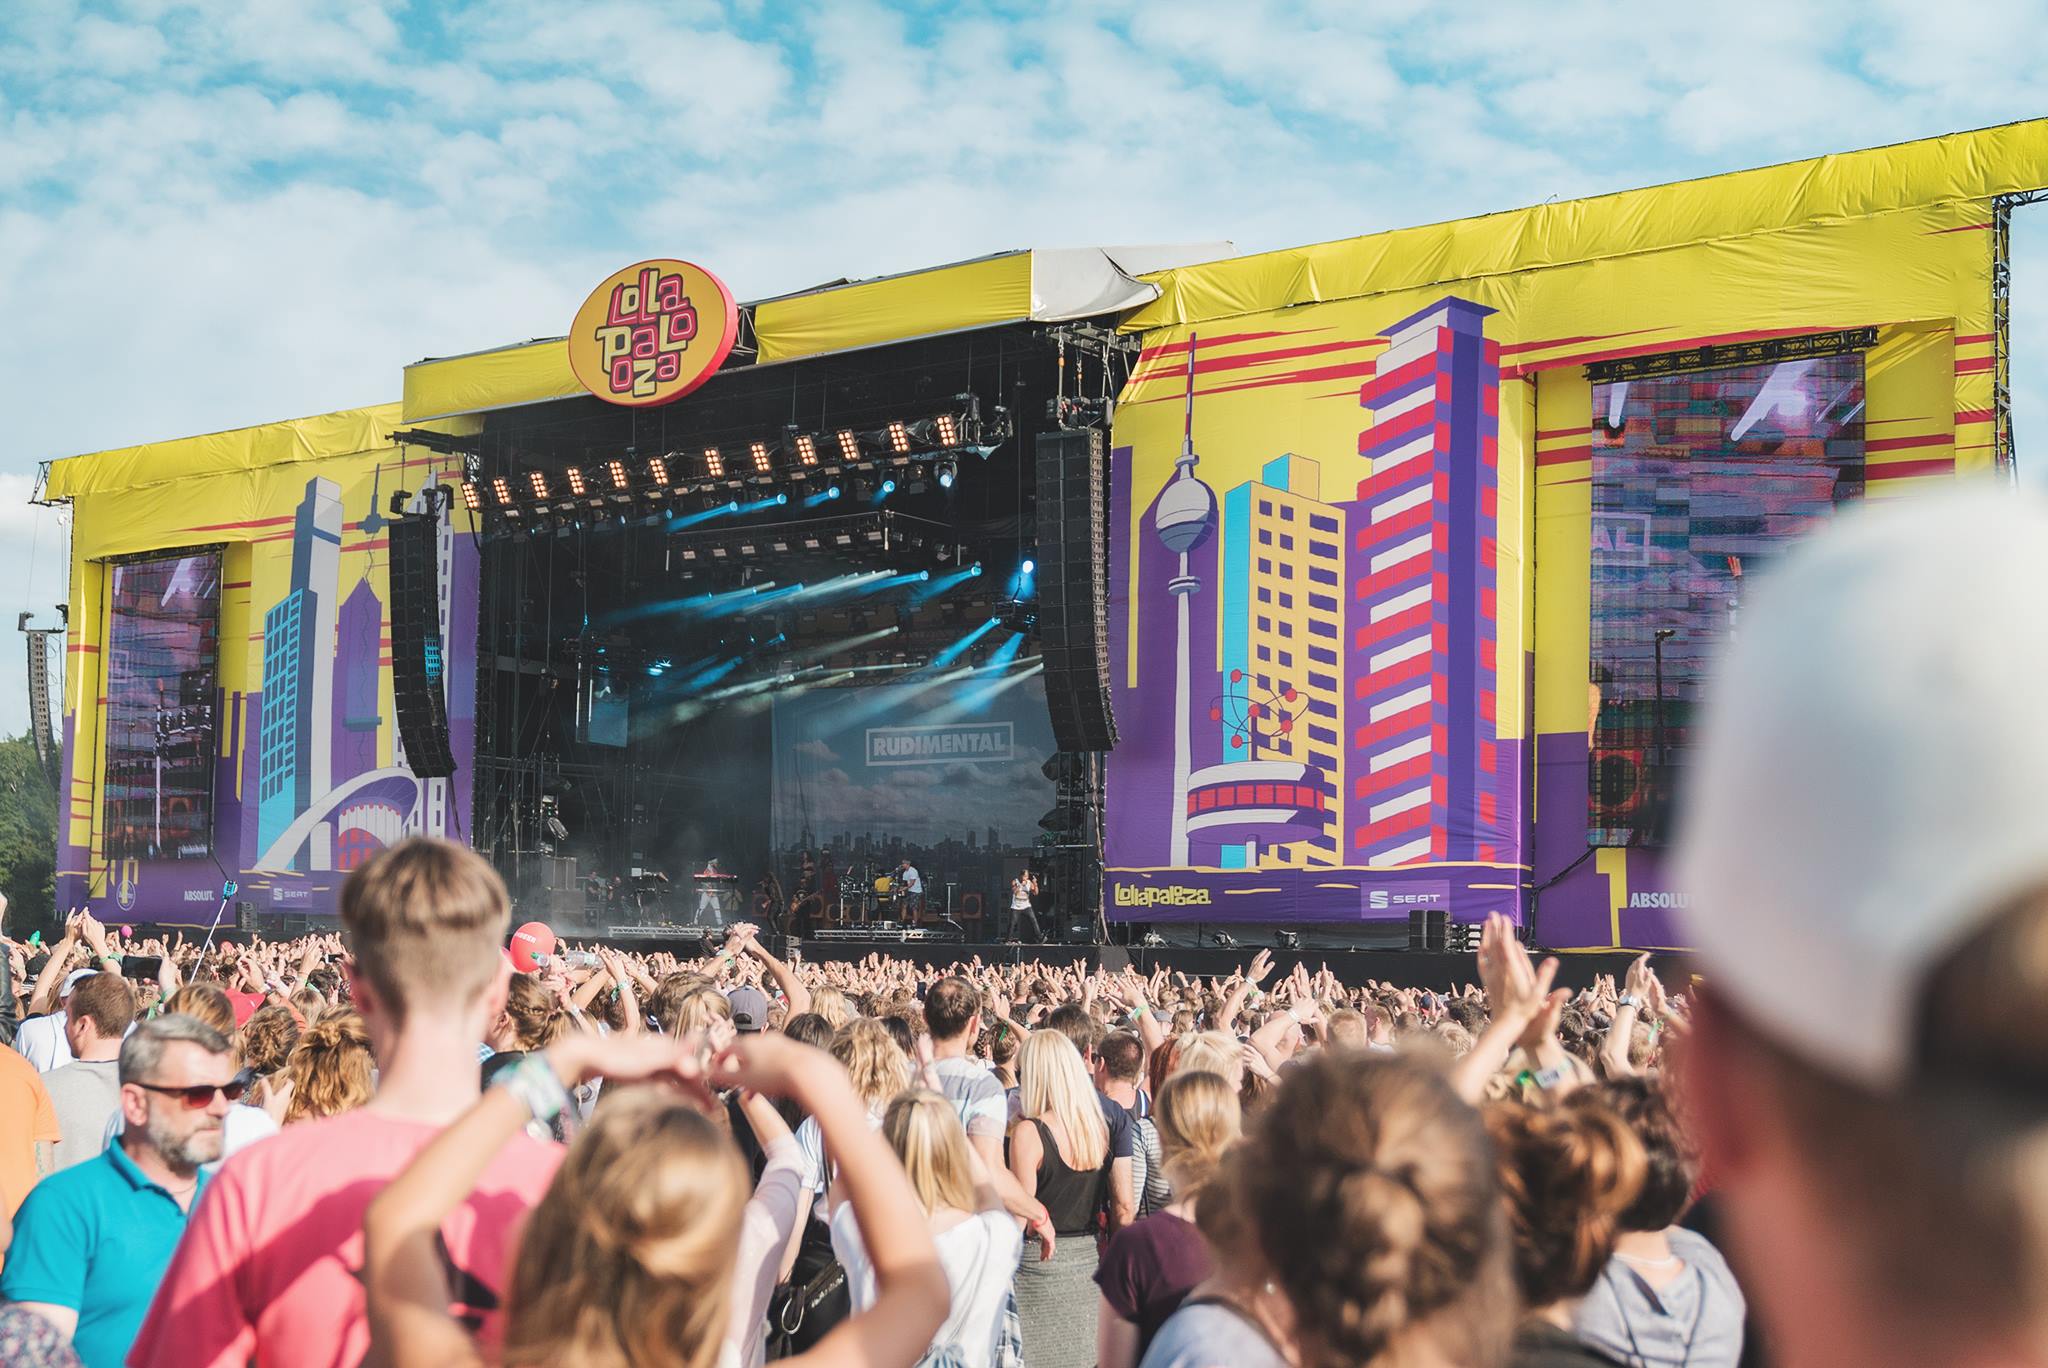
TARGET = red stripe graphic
(1547,342)
(1903,443)
(1900,470)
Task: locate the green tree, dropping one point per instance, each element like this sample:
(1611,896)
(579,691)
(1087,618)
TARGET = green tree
(28,839)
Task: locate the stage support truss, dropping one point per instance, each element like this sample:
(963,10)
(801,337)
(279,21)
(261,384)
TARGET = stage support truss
(2002,449)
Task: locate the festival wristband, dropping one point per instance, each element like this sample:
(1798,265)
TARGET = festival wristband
(533,1081)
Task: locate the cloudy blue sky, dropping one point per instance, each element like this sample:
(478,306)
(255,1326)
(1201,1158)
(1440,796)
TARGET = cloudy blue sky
(218,212)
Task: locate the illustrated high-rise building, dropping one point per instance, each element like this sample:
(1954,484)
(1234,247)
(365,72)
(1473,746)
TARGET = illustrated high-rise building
(1184,518)
(1282,645)
(358,649)
(298,677)
(1424,764)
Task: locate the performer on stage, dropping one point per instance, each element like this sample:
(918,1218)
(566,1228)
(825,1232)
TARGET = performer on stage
(909,888)
(707,894)
(807,908)
(770,907)
(1023,889)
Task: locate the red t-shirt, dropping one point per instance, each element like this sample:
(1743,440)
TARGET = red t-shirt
(269,1267)
(245,1004)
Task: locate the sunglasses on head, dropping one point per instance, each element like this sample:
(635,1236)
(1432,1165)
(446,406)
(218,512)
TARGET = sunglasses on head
(201,1094)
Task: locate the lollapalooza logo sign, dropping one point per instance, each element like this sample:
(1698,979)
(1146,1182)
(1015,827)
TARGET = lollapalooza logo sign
(653,332)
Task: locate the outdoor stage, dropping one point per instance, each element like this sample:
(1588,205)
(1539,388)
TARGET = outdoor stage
(1297,593)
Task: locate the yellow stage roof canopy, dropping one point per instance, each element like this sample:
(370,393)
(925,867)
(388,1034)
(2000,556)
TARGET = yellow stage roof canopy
(317,438)
(1980,165)
(1040,285)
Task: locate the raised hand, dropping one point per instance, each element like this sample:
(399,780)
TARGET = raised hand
(1516,987)
(1640,977)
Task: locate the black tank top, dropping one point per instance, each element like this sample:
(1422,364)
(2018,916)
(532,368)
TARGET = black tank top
(1071,1196)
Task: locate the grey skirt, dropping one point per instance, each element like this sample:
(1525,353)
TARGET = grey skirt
(1057,1301)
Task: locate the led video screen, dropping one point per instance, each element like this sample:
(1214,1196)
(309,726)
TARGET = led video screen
(1699,480)
(163,651)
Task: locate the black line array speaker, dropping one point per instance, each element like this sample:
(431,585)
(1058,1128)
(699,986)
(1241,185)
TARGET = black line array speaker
(416,657)
(1073,613)
(1427,927)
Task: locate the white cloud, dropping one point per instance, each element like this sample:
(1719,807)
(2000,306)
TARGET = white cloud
(218,212)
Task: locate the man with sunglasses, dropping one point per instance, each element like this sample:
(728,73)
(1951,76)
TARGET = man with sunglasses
(91,1243)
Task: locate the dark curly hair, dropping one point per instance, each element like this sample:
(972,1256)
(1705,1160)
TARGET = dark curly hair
(1394,1175)
(1566,1176)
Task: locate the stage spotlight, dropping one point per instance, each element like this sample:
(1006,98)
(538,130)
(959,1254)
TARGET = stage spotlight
(884,490)
(759,452)
(471,499)
(781,499)
(849,445)
(948,428)
(501,487)
(1029,566)
(975,569)
(617,470)
(538,482)
(899,438)
(576,484)
(948,472)
(923,575)
(658,469)
(807,448)
(714,464)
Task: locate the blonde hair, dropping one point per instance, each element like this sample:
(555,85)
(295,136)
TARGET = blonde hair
(832,1005)
(1199,1117)
(629,1256)
(873,1060)
(1054,1082)
(1215,1052)
(925,1132)
(205,1001)
(330,1067)
(425,923)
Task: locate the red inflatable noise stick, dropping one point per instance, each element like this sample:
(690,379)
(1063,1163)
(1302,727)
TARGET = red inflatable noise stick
(528,942)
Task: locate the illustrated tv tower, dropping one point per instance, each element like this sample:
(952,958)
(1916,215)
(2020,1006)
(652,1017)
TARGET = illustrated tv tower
(1185,518)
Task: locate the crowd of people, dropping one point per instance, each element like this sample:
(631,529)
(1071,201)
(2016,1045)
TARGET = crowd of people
(867,1162)
(396,1145)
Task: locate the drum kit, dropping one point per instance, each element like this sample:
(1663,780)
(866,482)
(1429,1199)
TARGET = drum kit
(875,899)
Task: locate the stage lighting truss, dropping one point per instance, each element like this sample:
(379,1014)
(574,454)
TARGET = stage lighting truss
(904,450)
(881,537)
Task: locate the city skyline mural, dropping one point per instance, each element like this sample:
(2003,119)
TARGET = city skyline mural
(1305,627)
(306,770)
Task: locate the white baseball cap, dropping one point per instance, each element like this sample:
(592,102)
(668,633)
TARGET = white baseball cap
(1869,781)
(72,980)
